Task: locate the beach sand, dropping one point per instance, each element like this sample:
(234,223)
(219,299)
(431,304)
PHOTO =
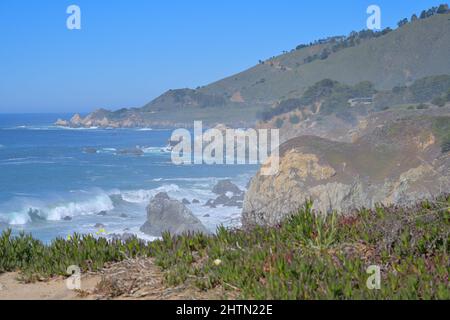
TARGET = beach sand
(13,289)
(138,279)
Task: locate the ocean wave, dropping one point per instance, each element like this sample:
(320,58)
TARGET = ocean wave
(48,128)
(78,128)
(18,159)
(53,128)
(107,150)
(209,179)
(40,128)
(145,195)
(22,161)
(115,151)
(33,160)
(153,150)
(97,204)
(34,210)
(196,191)
(241,180)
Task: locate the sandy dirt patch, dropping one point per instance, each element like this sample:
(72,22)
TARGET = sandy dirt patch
(137,279)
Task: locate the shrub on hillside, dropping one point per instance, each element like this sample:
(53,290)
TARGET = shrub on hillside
(279,123)
(294,119)
(443,8)
(439,101)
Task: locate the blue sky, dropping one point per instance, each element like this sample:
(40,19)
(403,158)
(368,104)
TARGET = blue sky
(129,52)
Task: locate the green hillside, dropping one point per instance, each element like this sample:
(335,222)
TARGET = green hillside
(416,50)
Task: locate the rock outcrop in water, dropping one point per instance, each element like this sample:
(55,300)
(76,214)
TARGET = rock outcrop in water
(131,151)
(397,163)
(166,214)
(229,195)
(226,186)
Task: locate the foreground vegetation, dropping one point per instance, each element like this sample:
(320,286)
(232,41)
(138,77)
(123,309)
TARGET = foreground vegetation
(307,257)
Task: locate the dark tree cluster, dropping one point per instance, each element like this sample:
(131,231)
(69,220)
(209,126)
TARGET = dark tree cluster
(335,97)
(355,38)
(338,43)
(442,100)
(402,22)
(442,9)
(434,89)
(333,94)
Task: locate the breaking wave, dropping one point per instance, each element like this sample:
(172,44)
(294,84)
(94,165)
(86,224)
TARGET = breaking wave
(156,150)
(139,196)
(54,209)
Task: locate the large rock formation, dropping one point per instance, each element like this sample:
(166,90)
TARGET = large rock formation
(165,214)
(396,163)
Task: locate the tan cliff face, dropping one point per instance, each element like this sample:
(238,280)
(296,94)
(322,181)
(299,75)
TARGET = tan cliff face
(398,163)
(76,119)
(304,166)
(424,142)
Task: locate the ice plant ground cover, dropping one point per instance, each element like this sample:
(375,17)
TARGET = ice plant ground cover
(309,256)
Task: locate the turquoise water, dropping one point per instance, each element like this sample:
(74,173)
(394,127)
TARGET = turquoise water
(55,181)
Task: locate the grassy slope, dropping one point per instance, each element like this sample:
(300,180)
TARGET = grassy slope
(416,50)
(307,257)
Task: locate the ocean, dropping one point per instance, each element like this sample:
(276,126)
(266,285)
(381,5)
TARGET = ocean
(57,181)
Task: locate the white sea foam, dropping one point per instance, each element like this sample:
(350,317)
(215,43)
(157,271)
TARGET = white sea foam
(98,203)
(54,209)
(17,218)
(107,150)
(26,160)
(78,128)
(46,128)
(36,128)
(145,129)
(209,179)
(155,150)
(139,196)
